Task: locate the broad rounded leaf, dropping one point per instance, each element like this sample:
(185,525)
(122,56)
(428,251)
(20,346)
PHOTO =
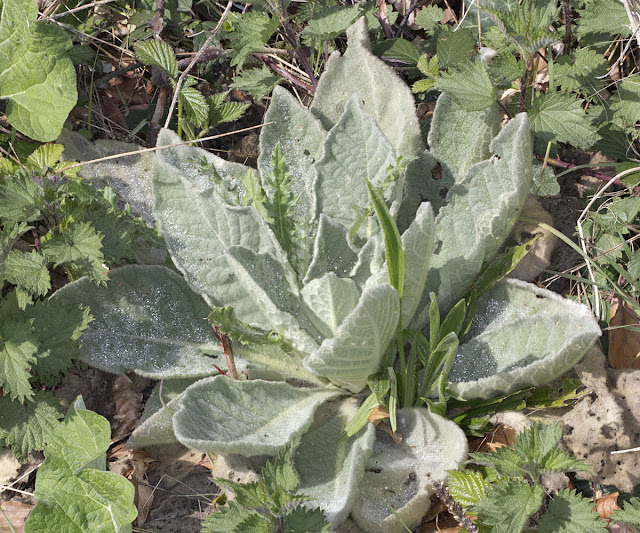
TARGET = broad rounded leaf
(146,320)
(521,336)
(401,475)
(331,468)
(36,73)
(255,417)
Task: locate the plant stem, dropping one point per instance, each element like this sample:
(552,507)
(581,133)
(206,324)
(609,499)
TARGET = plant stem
(403,364)
(227,348)
(290,36)
(566,15)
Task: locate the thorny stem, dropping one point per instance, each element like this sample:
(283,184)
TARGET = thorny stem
(524,81)
(228,351)
(454,507)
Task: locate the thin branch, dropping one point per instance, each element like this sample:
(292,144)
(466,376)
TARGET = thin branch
(382,16)
(405,18)
(158,20)
(193,61)
(291,36)
(286,74)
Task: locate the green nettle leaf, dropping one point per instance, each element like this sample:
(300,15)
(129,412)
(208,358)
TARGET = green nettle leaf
(397,50)
(258,82)
(559,117)
(626,107)
(429,17)
(329,23)
(301,519)
(80,247)
(584,73)
(28,271)
(18,348)
(226,520)
(27,427)
(252,31)
(467,487)
(58,328)
(37,75)
(569,512)
(508,505)
(221,111)
(603,19)
(630,513)
(21,198)
(72,482)
(470,86)
(455,47)
(159,54)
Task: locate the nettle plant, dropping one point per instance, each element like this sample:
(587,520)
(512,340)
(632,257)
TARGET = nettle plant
(296,250)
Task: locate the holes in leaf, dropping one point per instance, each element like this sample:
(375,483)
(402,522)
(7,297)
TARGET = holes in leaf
(540,296)
(442,193)
(306,152)
(436,173)
(437,247)
(375,470)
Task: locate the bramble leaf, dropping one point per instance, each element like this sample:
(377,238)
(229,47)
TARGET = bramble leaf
(159,54)
(252,31)
(569,512)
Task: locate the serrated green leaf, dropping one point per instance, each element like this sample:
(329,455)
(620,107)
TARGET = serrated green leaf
(584,73)
(72,482)
(18,348)
(569,512)
(560,461)
(536,441)
(258,82)
(630,513)
(633,267)
(470,86)
(256,523)
(159,54)
(559,117)
(508,505)
(626,105)
(26,427)
(505,460)
(455,47)
(37,76)
(397,50)
(303,520)
(146,320)
(328,23)
(227,519)
(20,198)
(544,184)
(505,69)
(422,86)
(252,31)
(80,247)
(45,156)
(602,18)
(253,417)
(467,487)
(428,17)
(252,494)
(58,328)
(28,271)
(195,105)
(280,477)
(221,112)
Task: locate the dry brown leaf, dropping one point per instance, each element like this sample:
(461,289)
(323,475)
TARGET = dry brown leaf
(378,414)
(443,523)
(127,406)
(501,436)
(16,513)
(624,343)
(607,505)
(141,461)
(622,528)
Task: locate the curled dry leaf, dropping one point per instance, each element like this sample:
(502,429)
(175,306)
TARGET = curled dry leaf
(607,505)
(141,461)
(127,406)
(377,417)
(624,342)
(16,513)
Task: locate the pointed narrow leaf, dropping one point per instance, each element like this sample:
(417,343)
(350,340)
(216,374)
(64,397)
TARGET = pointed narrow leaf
(221,415)
(392,241)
